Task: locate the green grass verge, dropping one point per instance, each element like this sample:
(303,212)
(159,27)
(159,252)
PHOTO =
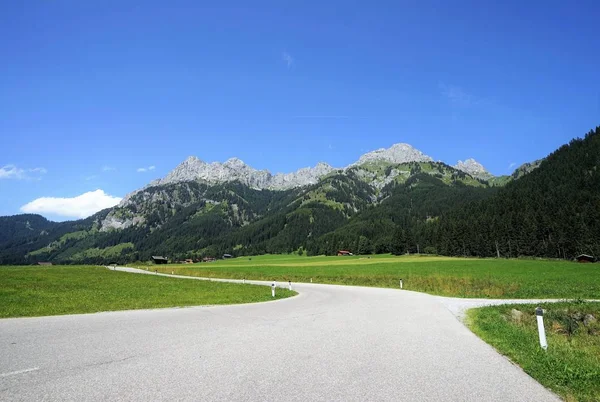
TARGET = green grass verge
(55,290)
(571,365)
(460,277)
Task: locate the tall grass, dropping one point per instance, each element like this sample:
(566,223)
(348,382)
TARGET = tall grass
(39,291)
(487,278)
(570,366)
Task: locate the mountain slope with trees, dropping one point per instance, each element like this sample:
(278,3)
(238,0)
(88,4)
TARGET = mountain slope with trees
(553,211)
(547,209)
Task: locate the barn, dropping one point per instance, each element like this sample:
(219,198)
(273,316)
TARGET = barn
(159,259)
(585,258)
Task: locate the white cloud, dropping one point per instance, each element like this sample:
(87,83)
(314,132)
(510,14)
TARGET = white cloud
(145,169)
(458,96)
(288,59)
(108,168)
(512,165)
(80,206)
(38,170)
(14,172)
(11,172)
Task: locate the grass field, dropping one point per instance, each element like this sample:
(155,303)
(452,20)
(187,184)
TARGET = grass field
(570,366)
(461,277)
(55,290)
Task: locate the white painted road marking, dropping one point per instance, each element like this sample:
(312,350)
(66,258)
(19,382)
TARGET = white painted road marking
(19,372)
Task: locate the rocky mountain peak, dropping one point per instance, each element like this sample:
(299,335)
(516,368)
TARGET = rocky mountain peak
(474,168)
(194,169)
(235,163)
(323,165)
(397,153)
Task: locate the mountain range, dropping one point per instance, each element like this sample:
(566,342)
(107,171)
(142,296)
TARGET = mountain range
(194,169)
(390,200)
(369,167)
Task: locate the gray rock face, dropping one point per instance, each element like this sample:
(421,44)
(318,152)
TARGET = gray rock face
(397,153)
(235,169)
(474,168)
(113,222)
(302,177)
(526,168)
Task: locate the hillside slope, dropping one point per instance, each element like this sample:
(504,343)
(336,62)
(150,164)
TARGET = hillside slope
(192,219)
(553,211)
(382,204)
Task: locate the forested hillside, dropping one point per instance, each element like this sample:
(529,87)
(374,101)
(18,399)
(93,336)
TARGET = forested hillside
(548,209)
(553,211)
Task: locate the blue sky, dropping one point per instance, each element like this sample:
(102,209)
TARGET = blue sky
(92,91)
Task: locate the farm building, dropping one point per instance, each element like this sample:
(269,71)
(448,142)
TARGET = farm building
(227,256)
(344,252)
(209,259)
(159,259)
(44,263)
(585,258)
(189,261)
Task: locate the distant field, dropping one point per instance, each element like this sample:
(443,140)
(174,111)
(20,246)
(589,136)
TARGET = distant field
(55,290)
(460,277)
(570,366)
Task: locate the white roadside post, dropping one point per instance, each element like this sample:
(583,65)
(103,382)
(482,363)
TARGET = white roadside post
(273,289)
(290,283)
(401,284)
(244,281)
(310,280)
(539,313)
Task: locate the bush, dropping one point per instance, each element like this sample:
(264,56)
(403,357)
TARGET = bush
(430,250)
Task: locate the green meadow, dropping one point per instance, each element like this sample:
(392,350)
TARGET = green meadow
(54,290)
(459,277)
(571,364)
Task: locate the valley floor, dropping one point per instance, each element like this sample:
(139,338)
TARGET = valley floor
(446,276)
(39,291)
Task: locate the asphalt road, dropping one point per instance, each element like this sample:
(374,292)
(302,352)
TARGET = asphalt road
(329,343)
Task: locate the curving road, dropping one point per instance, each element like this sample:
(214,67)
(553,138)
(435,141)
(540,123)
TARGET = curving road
(329,343)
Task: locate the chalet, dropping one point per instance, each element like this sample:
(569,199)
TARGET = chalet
(159,259)
(227,256)
(188,261)
(45,263)
(344,253)
(585,258)
(209,259)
